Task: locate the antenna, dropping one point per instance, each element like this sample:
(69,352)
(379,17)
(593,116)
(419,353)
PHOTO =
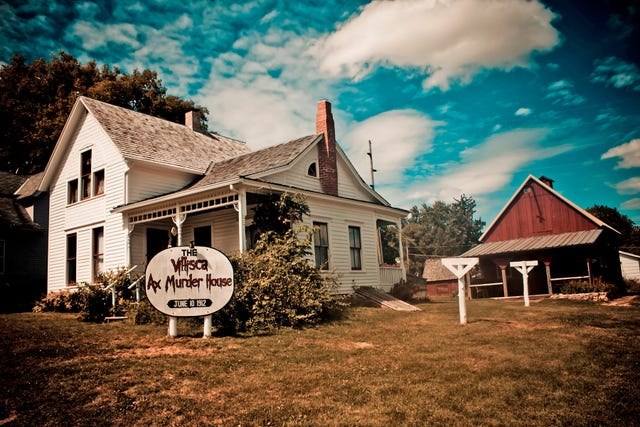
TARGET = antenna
(370,154)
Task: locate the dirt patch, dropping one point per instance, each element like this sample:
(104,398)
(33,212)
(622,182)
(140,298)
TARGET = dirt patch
(626,301)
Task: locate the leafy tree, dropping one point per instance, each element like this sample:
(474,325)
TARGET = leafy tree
(629,231)
(441,229)
(36,99)
(277,212)
(276,286)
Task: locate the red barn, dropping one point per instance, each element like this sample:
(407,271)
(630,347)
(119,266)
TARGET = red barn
(538,223)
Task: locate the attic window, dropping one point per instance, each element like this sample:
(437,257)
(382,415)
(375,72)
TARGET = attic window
(313,170)
(85,175)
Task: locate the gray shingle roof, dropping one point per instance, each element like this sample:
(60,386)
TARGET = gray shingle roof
(526,244)
(10,182)
(142,137)
(258,161)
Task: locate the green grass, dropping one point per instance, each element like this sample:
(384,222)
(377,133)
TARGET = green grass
(554,363)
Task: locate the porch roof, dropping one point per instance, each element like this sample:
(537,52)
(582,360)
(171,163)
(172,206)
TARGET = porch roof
(528,244)
(252,163)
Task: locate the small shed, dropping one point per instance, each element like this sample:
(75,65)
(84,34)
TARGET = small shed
(440,281)
(630,264)
(538,223)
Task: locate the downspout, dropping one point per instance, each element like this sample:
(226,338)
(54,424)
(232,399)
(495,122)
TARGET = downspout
(240,207)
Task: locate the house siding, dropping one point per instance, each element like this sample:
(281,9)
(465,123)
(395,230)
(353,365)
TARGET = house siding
(146,181)
(85,215)
(630,265)
(338,218)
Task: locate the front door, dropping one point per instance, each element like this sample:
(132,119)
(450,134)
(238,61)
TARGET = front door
(157,240)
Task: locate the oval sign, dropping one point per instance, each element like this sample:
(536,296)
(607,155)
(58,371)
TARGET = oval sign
(187,282)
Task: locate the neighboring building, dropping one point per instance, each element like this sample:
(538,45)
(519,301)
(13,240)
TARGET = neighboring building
(22,246)
(538,223)
(630,265)
(440,280)
(124,185)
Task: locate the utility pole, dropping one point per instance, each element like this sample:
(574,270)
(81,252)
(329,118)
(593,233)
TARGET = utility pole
(370,154)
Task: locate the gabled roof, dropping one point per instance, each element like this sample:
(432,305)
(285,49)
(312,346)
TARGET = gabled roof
(30,186)
(14,216)
(590,217)
(527,244)
(435,271)
(142,137)
(10,182)
(256,162)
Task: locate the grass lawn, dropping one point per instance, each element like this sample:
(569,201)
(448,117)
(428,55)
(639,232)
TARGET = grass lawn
(554,363)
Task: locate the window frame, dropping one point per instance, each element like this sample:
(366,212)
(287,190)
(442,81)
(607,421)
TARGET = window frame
(85,175)
(97,252)
(72,191)
(71,260)
(355,248)
(321,245)
(98,182)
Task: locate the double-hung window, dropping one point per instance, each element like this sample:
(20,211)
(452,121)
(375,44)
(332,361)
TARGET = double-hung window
(98,251)
(72,248)
(85,175)
(355,247)
(321,245)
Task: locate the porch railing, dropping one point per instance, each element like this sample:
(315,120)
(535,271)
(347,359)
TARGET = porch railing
(389,276)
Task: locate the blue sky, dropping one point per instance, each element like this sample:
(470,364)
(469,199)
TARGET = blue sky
(457,96)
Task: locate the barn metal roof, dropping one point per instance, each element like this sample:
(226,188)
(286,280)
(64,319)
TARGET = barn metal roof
(527,244)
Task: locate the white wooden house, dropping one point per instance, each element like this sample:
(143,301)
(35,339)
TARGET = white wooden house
(124,185)
(630,265)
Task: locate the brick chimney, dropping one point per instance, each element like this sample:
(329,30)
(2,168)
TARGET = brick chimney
(327,169)
(192,121)
(546,180)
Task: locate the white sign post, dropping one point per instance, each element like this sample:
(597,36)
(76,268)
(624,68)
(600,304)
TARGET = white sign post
(189,282)
(460,267)
(524,267)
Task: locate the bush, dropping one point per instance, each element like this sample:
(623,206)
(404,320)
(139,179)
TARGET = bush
(144,313)
(92,301)
(582,286)
(276,286)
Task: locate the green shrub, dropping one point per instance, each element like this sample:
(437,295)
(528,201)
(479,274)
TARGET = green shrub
(276,286)
(144,313)
(92,301)
(583,286)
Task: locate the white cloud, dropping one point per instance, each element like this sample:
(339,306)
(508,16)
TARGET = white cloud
(628,186)
(631,204)
(523,112)
(629,154)
(561,92)
(246,102)
(485,168)
(615,72)
(397,138)
(451,40)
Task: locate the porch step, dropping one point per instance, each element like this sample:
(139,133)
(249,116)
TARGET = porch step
(385,300)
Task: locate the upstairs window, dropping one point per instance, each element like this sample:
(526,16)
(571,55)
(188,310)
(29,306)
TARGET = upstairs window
(85,174)
(321,245)
(72,191)
(355,247)
(313,170)
(98,182)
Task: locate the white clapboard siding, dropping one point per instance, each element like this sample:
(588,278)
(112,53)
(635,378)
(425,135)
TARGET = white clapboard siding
(297,175)
(338,218)
(349,186)
(630,264)
(147,181)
